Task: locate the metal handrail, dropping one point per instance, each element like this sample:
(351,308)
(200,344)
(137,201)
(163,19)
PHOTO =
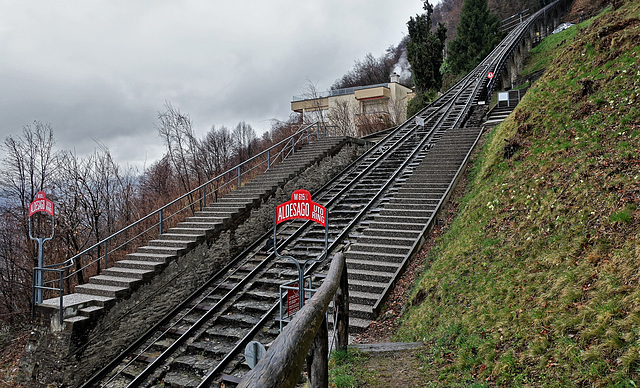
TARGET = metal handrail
(288,145)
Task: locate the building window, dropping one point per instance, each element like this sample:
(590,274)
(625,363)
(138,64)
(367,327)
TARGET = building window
(373,106)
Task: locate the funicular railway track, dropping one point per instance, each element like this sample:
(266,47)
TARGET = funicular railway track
(200,342)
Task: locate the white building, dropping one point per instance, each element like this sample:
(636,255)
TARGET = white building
(359,110)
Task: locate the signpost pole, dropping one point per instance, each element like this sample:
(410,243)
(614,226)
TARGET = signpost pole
(299,207)
(39,272)
(40,204)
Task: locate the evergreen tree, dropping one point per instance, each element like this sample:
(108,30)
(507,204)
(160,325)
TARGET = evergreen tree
(425,51)
(477,34)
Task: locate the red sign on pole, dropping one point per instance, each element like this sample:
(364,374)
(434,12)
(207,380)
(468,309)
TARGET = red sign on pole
(41,204)
(301,206)
(293,300)
(490,75)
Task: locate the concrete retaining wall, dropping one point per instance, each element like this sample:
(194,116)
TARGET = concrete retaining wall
(69,357)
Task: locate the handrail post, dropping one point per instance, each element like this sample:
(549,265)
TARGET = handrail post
(239,177)
(61,296)
(160,221)
(106,253)
(204,197)
(33,297)
(268,159)
(293,144)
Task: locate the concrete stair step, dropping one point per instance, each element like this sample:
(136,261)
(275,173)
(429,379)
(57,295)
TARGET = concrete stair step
(201,225)
(370,265)
(90,311)
(377,239)
(209,220)
(396,250)
(77,301)
(186,238)
(388,219)
(76,319)
(115,281)
(222,214)
(361,311)
(409,203)
(403,226)
(181,244)
(149,257)
(154,266)
(187,231)
(133,273)
(363,297)
(358,325)
(372,232)
(102,290)
(236,198)
(413,213)
(225,207)
(162,250)
(371,276)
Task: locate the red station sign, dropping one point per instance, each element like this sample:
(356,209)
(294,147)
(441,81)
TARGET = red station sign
(41,204)
(301,206)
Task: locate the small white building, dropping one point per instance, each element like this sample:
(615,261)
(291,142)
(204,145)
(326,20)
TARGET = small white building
(359,110)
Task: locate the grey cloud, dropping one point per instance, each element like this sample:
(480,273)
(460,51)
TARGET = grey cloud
(103,69)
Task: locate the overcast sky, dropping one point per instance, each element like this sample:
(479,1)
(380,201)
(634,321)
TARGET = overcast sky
(101,70)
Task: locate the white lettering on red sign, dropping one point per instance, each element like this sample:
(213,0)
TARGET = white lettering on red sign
(41,204)
(293,300)
(301,206)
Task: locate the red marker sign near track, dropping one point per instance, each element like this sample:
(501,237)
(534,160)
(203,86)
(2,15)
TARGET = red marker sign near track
(301,206)
(490,75)
(41,204)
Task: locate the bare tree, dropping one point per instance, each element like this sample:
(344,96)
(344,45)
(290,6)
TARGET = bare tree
(176,130)
(28,166)
(216,151)
(157,184)
(397,110)
(317,112)
(342,115)
(244,137)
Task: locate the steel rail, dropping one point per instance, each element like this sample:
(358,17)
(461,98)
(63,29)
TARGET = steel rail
(473,81)
(176,344)
(337,241)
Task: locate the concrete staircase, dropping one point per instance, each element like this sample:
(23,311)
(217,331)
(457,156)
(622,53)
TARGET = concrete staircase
(504,108)
(497,115)
(125,276)
(393,236)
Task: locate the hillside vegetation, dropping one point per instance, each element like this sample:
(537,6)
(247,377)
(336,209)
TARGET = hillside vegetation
(537,281)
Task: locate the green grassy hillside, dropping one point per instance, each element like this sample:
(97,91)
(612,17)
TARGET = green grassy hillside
(537,281)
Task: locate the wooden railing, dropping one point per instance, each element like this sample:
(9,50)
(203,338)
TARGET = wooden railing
(305,338)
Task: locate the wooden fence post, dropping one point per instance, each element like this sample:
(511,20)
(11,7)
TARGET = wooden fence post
(341,303)
(317,367)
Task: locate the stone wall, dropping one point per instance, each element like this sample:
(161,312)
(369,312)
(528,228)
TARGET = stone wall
(70,357)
